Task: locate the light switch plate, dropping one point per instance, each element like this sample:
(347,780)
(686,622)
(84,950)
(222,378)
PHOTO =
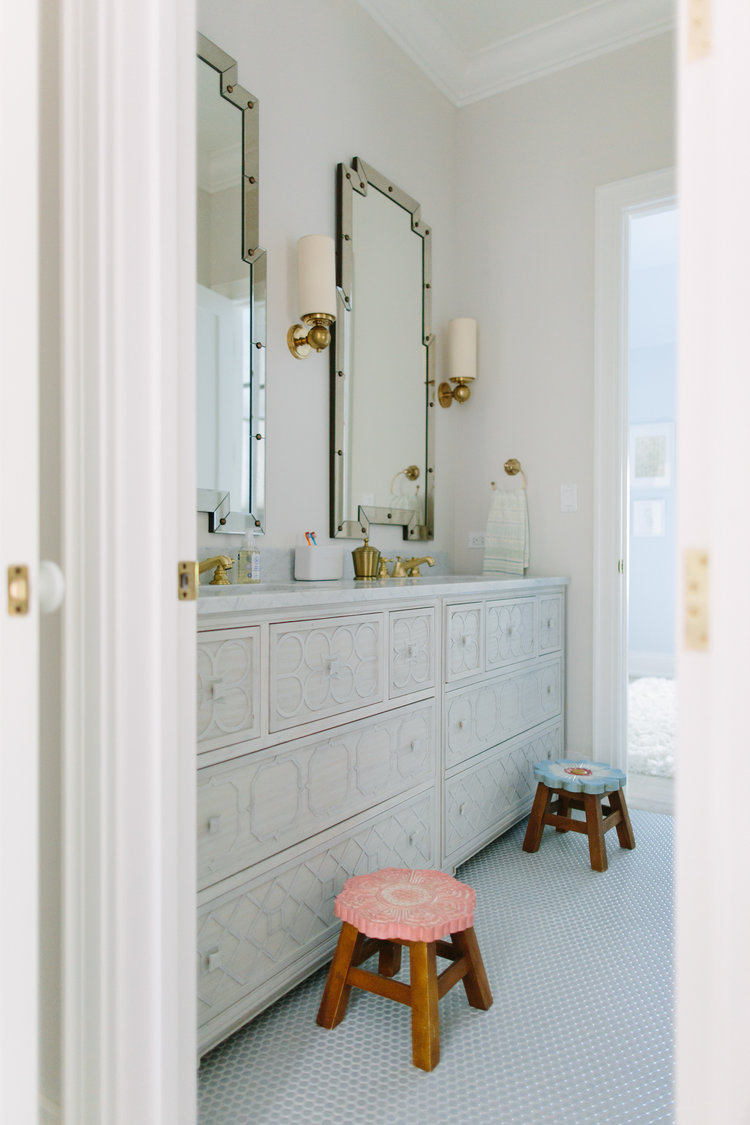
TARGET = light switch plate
(568,497)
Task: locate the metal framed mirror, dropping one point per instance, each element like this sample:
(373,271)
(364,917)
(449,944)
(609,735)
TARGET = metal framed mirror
(382,381)
(231,300)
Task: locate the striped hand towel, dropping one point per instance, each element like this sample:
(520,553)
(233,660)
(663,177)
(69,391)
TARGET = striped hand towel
(506,540)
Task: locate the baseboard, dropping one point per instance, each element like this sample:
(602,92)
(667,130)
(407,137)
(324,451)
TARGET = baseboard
(661,664)
(50,1112)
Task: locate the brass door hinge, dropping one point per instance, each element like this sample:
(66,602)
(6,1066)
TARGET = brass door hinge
(699,30)
(18,590)
(187,581)
(696,601)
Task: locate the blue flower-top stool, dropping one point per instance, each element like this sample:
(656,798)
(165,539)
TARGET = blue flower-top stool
(580,785)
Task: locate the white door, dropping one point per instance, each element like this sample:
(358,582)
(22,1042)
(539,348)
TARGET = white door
(616,205)
(713,887)
(19,655)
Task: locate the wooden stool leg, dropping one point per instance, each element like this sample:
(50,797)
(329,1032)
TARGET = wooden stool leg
(592,803)
(563,809)
(336,993)
(475,982)
(624,828)
(425,1020)
(389,959)
(535,827)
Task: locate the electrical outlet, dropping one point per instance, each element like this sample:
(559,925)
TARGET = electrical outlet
(476,539)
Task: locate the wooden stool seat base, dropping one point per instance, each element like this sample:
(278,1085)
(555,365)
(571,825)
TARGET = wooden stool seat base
(426,986)
(552,805)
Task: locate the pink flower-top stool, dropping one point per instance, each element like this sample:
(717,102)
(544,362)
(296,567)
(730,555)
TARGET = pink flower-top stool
(383,912)
(580,785)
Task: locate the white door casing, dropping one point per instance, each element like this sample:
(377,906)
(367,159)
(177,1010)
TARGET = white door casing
(19,544)
(616,203)
(128,233)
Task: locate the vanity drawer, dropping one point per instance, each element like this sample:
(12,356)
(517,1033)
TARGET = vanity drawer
(464,641)
(270,927)
(495,791)
(510,631)
(255,806)
(412,651)
(324,667)
(485,714)
(550,623)
(228,686)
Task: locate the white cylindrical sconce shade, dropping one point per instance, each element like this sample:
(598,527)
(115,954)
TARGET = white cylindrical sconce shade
(462,348)
(316,264)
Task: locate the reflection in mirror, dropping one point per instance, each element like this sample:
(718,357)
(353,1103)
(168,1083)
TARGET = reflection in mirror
(231,300)
(383,392)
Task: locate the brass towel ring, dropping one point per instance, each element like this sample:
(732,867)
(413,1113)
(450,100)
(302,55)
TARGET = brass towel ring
(512,466)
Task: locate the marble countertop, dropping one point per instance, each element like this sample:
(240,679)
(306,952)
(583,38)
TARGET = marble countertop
(264,596)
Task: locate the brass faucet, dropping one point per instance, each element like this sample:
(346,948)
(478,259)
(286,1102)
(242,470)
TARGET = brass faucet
(410,567)
(222,564)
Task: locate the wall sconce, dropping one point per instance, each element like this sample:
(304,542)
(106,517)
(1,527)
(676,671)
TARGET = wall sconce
(462,360)
(316,292)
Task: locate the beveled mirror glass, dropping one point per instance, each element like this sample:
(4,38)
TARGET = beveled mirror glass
(231,300)
(383,397)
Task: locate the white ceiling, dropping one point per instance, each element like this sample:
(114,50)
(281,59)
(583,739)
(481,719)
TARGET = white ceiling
(472,49)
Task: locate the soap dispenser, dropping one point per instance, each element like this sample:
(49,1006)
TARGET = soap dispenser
(366,560)
(248,560)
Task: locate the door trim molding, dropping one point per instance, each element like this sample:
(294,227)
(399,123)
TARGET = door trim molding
(128,223)
(616,203)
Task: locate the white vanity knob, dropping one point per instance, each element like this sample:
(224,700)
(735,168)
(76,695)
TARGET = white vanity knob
(216,689)
(214,825)
(213,960)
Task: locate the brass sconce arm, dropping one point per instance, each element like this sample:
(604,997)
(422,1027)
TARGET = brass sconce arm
(317,338)
(461,392)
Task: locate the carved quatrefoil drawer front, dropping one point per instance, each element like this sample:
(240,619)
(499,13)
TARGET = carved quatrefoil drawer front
(326,667)
(228,686)
(486,798)
(255,806)
(412,662)
(510,633)
(256,932)
(464,639)
(485,714)
(550,623)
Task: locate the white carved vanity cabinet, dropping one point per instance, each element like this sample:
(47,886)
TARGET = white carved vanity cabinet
(343,728)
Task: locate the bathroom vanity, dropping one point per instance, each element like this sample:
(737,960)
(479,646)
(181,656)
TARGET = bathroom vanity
(344,727)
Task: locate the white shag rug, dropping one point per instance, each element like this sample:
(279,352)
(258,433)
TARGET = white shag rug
(652,723)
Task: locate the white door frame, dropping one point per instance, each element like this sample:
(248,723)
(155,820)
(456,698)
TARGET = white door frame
(128,223)
(616,204)
(19,544)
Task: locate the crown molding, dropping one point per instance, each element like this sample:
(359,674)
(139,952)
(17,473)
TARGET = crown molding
(605,26)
